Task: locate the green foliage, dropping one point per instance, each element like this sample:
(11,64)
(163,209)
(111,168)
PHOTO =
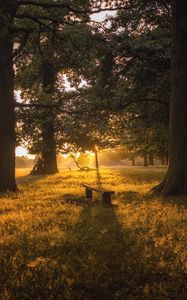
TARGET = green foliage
(127,68)
(138,86)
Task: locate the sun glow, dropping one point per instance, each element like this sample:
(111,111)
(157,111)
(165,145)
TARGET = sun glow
(21,151)
(90,153)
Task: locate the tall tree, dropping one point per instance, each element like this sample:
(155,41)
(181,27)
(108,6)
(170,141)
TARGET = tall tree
(7,117)
(175,182)
(42,84)
(14,15)
(48,131)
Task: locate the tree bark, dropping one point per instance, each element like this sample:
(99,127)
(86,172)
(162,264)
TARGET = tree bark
(96,159)
(145,160)
(167,158)
(163,159)
(175,182)
(151,159)
(49,148)
(48,132)
(7,114)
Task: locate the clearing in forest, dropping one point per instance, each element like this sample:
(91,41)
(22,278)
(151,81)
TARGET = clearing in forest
(56,246)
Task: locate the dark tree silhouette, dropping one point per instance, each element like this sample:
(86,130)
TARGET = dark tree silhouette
(7,117)
(175,182)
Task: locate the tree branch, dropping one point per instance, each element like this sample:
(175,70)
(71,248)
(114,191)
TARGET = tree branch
(125,105)
(37,20)
(51,106)
(69,7)
(51,5)
(22,45)
(37,105)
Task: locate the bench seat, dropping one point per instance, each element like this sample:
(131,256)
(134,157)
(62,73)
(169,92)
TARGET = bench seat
(106,194)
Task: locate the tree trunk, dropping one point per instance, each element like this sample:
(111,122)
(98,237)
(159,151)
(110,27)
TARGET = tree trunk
(49,148)
(163,159)
(96,159)
(48,132)
(167,157)
(133,161)
(175,182)
(7,115)
(151,160)
(145,160)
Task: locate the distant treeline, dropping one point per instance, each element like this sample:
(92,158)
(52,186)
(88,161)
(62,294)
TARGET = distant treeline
(24,162)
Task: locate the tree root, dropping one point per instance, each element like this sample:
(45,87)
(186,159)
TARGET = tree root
(38,169)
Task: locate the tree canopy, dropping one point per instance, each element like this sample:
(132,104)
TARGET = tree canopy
(119,71)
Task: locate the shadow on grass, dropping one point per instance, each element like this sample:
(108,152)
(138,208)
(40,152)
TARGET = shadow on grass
(74,200)
(100,263)
(97,259)
(130,196)
(29,178)
(176,200)
(93,262)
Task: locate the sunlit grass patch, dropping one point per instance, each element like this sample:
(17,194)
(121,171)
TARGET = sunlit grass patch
(55,245)
(22,172)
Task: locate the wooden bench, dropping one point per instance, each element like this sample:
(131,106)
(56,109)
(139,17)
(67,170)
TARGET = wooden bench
(106,194)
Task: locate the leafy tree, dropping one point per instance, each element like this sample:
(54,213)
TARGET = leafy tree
(44,73)
(14,16)
(138,79)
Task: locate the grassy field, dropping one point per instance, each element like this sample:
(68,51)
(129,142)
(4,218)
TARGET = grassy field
(54,245)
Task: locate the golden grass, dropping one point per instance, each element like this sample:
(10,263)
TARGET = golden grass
(22,172)
(53,245)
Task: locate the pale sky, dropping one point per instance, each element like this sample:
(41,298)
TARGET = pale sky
(99,17)
(21,151)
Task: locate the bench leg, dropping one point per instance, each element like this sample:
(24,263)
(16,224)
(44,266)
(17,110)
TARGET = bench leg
(106,199)
(88,193)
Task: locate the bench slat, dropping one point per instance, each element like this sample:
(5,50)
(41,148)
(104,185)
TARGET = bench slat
(100,190)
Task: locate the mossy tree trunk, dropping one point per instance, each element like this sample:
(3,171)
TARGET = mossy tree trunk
(7,115)
(175,182)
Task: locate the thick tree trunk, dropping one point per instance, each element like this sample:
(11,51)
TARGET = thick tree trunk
(151,159)
(145,160)
(175,182)
(7,115)
(48,132)
(133,161)
(49,148)
(167,158)
(163,159)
